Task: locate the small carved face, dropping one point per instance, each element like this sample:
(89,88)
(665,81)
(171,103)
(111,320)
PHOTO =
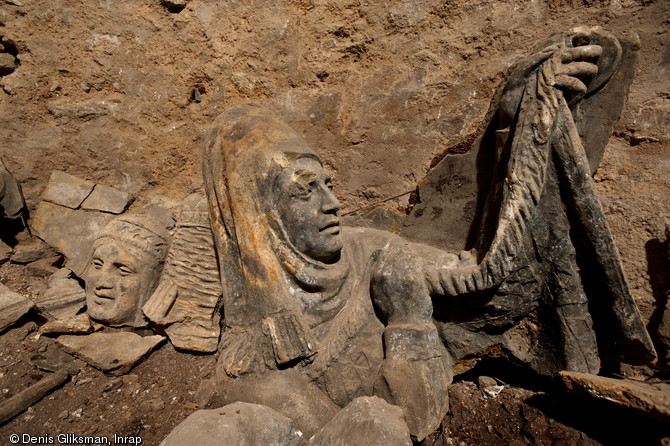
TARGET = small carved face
(117,284)
(308,209)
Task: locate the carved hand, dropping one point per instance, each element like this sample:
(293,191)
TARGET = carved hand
(566,68)
(570,69)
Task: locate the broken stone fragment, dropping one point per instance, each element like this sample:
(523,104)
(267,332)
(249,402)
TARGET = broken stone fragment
(11,195)
(78,110)
(5,252)
(129,255)
(67,190)
(366,420)
(237,423)
(35,249)
(107,199)
(650,399)
(79,324)
(187,299)
(64,297)
(69,231)
(12,307)
(7,63)
(53,359)
(43,267)
(113,353)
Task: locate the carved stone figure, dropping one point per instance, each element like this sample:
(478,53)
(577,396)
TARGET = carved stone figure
(317,314)
(531,213)
(187,301)
(125,264)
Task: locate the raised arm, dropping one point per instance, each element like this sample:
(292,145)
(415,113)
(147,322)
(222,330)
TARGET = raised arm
(528,111)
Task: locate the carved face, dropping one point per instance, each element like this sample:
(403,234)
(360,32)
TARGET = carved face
(118,281)
(308,209)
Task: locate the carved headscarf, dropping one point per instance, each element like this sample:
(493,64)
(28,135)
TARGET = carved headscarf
(244,153)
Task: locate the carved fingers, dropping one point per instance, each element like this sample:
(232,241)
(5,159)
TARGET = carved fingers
(572,68)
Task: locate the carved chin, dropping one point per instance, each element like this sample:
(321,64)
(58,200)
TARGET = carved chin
(331,250)
(109,314)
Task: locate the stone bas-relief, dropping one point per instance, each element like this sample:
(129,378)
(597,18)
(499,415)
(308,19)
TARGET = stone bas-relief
(317,314)
(125,264)
(186,303)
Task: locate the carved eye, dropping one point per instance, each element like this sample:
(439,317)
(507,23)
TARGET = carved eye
(304,191)
(124,270)
(97,263)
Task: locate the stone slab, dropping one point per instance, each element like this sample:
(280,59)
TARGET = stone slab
(64,296)
(366,420)
(12,307)
(79,324)
(31,251)
(43,267)
(54,359)
(238,423)
(107,199)
(69,231)
(651,399)
(113,353)
(67,190)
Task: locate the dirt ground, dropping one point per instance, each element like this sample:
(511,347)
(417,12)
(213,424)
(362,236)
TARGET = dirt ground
(122,92)
(163,390)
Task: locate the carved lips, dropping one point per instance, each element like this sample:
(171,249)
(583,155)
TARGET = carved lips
(331,227)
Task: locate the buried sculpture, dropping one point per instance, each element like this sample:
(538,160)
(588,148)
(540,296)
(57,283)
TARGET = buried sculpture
(317,314)
(125,264)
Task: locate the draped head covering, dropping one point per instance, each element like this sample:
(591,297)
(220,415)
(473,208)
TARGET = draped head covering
(244,154)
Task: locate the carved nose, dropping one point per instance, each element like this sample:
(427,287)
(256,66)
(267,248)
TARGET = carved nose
(330,202)
(103,282)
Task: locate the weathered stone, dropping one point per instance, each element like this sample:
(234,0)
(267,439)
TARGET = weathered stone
(486,381)
(7,64)
(415,375)
(107,199)
(12,307)
(651,399)
(5,252)
(85,110)
(520,229)
(317,314)
(54,359)
(11,196)
(64,297)
(125,264)
(153,405)
(35,249)
(366,420)
(43,267)
(69,231)
(206,392)
(187,300)
(79,324)
(174,5)
(238,423)
(67,190)
(113,353)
